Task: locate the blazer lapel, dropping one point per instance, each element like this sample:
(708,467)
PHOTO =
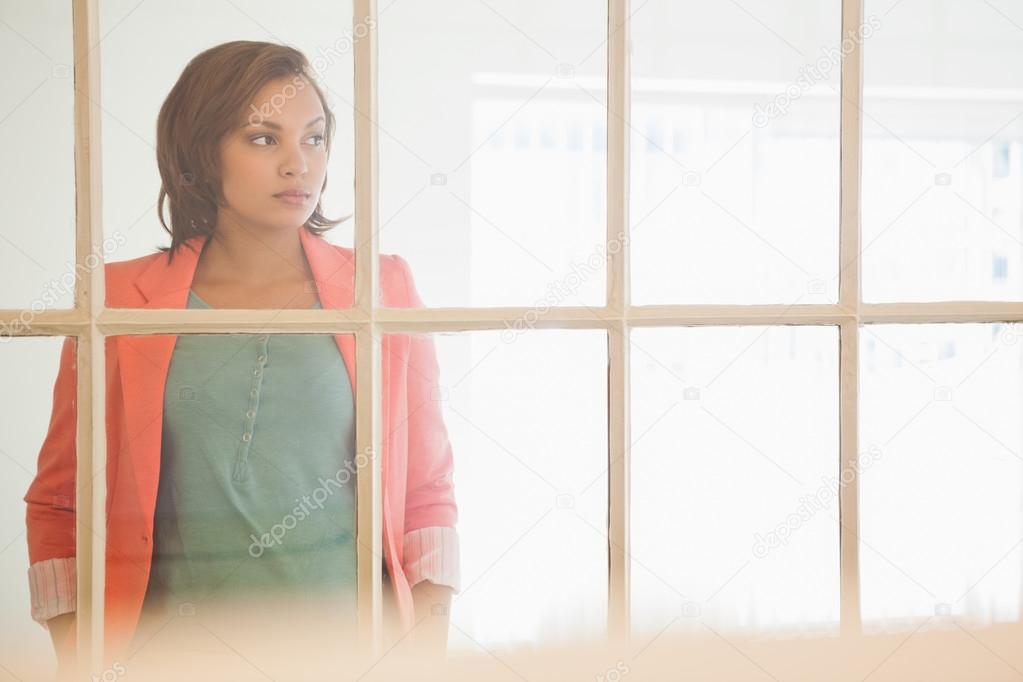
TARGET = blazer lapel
(334,274)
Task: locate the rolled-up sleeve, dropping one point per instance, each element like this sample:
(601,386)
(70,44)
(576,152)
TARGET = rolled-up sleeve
(52,585)
(432,554)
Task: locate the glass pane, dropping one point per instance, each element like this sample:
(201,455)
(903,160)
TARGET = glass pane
(526,418)
(493,146)
(31,364)
(942,143)
(734,519)
(146,49)
(940,501)
(235,492)
(734,151)
(37,182)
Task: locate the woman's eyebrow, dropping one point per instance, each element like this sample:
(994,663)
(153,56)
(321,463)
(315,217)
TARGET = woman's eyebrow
(274,126)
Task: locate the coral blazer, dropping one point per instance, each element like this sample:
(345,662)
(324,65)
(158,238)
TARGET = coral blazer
(416,460)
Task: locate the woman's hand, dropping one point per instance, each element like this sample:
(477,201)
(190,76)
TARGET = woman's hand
(59,626)
(432,608)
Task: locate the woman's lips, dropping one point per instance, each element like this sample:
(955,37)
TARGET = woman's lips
(293,199)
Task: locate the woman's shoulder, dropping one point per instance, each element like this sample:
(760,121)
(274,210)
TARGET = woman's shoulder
(120,277)
(121,269)
(396,282)
(390,263)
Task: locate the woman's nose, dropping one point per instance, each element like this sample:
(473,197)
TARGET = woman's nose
(295,163)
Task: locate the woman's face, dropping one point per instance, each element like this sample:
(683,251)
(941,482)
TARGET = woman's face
(278,147)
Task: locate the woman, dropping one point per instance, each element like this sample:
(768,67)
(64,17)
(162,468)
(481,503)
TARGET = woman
(231,464)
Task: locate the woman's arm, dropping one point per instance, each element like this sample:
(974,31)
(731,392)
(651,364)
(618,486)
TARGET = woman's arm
(430,494)
(50,512)
(430,551)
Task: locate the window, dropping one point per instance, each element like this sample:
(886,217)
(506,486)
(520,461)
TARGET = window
(726,297)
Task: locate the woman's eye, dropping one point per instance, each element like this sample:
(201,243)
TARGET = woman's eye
(321,139)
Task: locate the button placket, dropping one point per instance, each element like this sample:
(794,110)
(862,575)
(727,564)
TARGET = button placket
(241,469)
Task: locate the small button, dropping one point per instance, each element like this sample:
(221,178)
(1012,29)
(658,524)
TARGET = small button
(250,414)
(247,437)
(256,372)
(262,358)
(253,393)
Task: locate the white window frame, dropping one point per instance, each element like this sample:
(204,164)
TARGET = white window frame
(90,322)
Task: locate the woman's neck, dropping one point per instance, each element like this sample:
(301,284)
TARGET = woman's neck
(252,259)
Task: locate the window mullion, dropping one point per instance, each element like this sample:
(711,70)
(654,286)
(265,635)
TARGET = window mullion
(618,301)
(369,532)
(849,295)
(90,437)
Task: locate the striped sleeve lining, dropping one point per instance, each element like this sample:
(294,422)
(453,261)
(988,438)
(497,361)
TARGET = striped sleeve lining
(52,584)
(432,554)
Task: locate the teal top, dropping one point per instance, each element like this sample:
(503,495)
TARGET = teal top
(257,476)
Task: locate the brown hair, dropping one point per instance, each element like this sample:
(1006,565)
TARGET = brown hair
(205,104)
